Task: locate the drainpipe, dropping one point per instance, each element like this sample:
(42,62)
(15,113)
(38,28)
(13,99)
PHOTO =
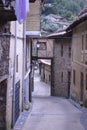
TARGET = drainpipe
(25,86)
(14,77)
(24,68)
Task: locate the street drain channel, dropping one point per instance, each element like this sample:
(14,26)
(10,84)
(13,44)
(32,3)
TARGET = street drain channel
(42,115)
(37,115)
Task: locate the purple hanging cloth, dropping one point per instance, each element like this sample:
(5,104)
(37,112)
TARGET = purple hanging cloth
(22,7)
(23,10)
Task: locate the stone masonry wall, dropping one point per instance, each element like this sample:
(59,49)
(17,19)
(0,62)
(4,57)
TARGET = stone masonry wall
(4,50)
(61,67)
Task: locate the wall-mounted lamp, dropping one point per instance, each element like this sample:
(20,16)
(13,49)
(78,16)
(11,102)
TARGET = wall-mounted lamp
(37,47)
(38,44)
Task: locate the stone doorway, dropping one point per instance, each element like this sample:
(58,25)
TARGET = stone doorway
(3,91)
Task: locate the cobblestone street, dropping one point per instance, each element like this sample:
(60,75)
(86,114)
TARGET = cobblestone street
(51,113)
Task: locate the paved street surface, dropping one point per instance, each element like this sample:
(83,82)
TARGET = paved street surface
(41,88)
(52,113)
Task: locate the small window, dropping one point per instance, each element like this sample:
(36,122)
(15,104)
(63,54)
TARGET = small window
(82,77)
(61,49)
(69,51)
(62,77)
(42,46)
(74,76)
(69,76)
(81,85)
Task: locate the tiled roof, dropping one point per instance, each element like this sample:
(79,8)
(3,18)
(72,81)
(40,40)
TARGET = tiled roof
(80,18)
(83,12)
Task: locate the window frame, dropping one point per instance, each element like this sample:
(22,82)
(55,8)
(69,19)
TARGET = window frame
(41,46)
(62,50)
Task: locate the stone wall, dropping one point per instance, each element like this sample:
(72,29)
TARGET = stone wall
(46,73)
(3,89)
(4,70)
(4,50)
(61,67)
(79,64)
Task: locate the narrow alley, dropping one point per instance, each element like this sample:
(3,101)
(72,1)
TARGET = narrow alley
(41,89)
(51,113)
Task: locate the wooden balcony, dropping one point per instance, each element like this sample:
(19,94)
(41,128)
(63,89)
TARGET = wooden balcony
(7,15)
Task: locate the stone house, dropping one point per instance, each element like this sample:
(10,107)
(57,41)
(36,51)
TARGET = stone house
(10,81)
(62,43)
(4,72)
(79,58)
(12,66)
(6,15)
(15,80)
(45,70)
(45,48)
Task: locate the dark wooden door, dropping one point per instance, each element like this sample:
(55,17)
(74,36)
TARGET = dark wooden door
(69,82)
(81,86)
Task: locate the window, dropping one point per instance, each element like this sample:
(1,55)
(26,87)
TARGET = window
(61,49)
(42,46)
(74,76)
(69,76)
(62,77)
(82,41)
(86,81)
(69,51)
(69,82)
(49,78)
(81,85)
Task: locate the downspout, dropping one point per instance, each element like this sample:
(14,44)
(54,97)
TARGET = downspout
(14,76)
(25,87)
(30,75)
(24,72)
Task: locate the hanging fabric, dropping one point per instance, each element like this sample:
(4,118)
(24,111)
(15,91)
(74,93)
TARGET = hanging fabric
(21,9)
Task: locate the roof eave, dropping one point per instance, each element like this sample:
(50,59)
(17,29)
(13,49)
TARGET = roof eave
(60,36)
(76,23)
